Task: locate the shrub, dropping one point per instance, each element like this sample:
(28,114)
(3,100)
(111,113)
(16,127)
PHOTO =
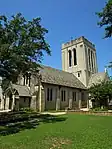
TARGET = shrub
(99,109)
(27,110)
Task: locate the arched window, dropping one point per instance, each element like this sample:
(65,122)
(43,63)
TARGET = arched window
(27,79)
(70,58)
(47,94)
(75,57)
(92,61)
(89,58)
(24,83)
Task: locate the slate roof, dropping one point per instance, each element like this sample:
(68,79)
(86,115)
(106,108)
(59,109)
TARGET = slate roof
(59,77)
(22,90)
(97,78)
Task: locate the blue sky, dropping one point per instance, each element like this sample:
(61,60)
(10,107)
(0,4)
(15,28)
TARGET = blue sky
(64,19)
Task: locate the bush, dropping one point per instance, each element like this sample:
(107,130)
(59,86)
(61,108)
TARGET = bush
(27,110)
(99,109)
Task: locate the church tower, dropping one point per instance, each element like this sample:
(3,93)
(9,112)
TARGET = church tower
(79,58)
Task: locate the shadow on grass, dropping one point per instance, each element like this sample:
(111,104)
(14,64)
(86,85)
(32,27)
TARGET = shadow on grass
(11,123)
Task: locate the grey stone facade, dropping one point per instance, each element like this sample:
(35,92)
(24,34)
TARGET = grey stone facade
(85,59)
(54,92)
(53,89)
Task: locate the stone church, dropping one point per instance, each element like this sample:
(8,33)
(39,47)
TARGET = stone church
(53,89)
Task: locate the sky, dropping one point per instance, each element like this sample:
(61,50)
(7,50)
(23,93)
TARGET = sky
(64,19)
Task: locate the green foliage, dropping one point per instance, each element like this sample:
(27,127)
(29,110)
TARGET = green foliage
(5,83)
(106,19)
(99,109)
(22,44)
(101,93)
(27,110)
(110,65)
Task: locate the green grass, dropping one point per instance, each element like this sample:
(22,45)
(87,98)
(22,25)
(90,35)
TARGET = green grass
(76,132)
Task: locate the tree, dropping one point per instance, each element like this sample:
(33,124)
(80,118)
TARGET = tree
(22,44)
(109,66)
(106,19)
(101,93)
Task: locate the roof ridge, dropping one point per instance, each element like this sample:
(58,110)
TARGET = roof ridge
(56,76)
(96,78)
(58,69)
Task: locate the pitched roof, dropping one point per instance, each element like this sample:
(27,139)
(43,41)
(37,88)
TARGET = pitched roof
(97,78)
(22,90)
(59,77)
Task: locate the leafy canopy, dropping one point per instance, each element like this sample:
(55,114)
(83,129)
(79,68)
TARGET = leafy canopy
(22,44)
(101,92)
(106,19)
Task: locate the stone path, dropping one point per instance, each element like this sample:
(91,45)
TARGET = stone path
(50,113)
(55,113)
(3,111)
(84,109)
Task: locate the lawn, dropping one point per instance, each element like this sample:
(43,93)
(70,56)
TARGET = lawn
(72,132)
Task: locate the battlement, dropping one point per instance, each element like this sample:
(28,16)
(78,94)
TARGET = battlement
(77,41)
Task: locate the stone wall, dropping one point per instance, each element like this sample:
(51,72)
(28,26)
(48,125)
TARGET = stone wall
(50,105)
(24,102)
(99,113)
(57,103)
(85,57)
(33,102)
